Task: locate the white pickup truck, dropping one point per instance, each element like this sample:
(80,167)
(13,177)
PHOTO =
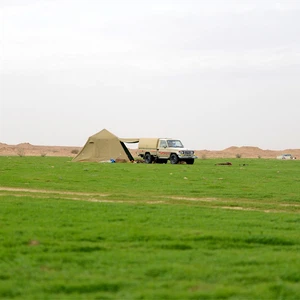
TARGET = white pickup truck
(160,150)
(285,156)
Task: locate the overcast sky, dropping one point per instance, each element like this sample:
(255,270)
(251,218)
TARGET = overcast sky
(212,73)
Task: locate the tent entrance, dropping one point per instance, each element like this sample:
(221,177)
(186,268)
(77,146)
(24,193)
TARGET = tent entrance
(130,157)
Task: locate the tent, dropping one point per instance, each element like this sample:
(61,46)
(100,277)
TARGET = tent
(104,146)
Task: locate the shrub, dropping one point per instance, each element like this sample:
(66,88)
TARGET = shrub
(75,151)
(21,152)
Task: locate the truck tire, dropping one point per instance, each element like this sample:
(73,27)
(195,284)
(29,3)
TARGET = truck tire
(174,159)
(190,161)
(148,158)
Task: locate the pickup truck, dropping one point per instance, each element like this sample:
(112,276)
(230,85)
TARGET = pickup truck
(285,156)
(160,150)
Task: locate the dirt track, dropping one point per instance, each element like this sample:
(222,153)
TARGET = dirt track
(218,203)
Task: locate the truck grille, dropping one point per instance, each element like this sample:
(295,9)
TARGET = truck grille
(188,153)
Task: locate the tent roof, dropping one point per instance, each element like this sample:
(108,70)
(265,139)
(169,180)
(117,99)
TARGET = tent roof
(104,134)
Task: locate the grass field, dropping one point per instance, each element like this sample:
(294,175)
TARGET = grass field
(137,231)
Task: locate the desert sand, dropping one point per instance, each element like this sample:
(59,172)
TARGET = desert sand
(26,149)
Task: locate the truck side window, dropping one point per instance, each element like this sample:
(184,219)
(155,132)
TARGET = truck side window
(162,144)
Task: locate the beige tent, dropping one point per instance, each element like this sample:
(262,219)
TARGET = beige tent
(104,146)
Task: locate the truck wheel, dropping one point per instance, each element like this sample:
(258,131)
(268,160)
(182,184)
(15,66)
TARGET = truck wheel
(174,159)
(190,161)
(148,158)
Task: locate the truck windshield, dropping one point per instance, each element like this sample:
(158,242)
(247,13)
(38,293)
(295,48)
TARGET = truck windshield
(174,144)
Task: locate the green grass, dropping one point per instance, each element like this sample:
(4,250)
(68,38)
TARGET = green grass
(140,231)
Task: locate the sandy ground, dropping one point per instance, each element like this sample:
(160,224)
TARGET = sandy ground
(26,149)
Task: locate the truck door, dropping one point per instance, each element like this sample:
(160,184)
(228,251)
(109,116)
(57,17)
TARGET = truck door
(162,149)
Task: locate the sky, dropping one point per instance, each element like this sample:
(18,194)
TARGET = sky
(211,73)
